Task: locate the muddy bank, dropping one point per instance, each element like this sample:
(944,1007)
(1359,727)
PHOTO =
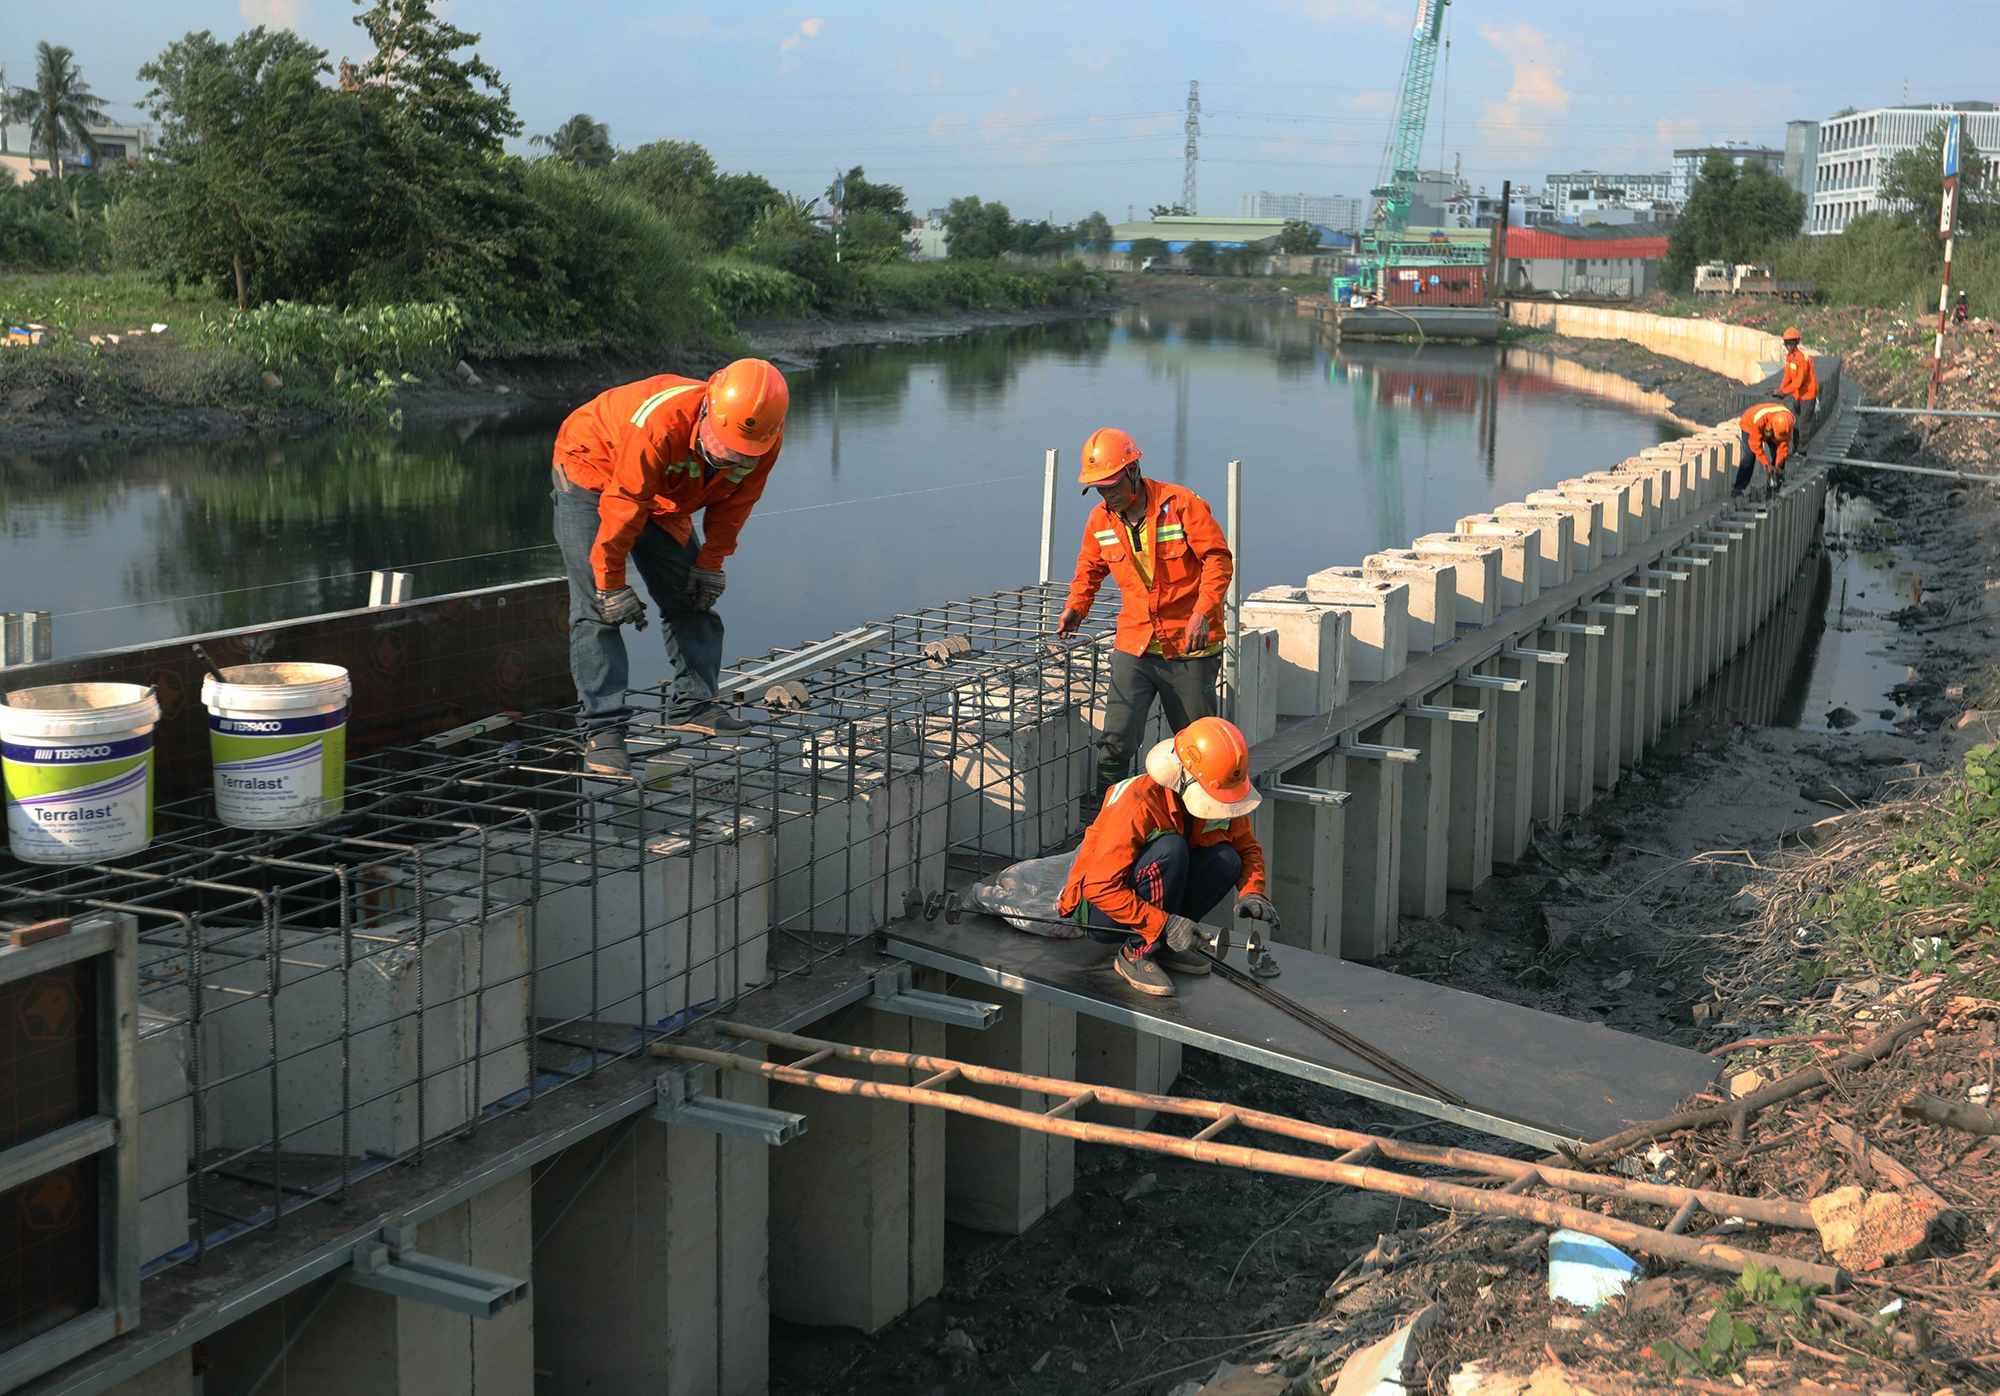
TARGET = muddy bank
(1696,393)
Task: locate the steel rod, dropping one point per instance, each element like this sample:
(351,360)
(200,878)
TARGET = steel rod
(1925,412)
(1918,470)
(1708,1254)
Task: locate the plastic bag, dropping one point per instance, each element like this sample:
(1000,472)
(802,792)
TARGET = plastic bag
(1027,889)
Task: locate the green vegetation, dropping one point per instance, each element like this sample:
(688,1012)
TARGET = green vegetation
(1729,1338)
(1734,213)
(59,109)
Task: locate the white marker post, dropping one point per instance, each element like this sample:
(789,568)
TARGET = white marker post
(1947,229)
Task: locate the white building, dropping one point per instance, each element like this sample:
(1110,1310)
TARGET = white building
(1560,189)
(1688,163)
(1854,148)
(1336,211)
(116,145)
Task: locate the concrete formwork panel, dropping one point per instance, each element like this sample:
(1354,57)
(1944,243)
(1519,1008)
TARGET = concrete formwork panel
(1312,648)
(1371,866)
(1433,595)
(998,1178)
(1378,614)
(857,1201)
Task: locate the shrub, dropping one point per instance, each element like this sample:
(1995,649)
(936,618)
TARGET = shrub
(742,290)
(416,338)
(622,274)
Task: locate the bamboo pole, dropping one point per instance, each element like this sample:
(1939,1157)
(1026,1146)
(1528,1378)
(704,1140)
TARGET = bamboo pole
(1710,1255)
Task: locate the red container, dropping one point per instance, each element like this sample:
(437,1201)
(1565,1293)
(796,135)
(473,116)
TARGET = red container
(1439,285)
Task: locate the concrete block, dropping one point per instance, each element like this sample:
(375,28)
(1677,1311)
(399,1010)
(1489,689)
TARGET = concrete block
(1586,526)
(1111,1054)
(857,1201)
(166,1132)
(1557,537)
(1476,573)
(1370,828)
(1312,649)
(1614,528)
(849,843)
(1520,545)
(1016,774)
(1433,588)
(998,1178)
(1256,705)
(1378,620)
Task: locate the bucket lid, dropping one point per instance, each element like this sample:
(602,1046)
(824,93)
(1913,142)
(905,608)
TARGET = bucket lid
(276,687)
(61,710)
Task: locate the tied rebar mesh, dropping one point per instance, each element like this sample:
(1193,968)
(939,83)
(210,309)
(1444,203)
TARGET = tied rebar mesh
(484,925)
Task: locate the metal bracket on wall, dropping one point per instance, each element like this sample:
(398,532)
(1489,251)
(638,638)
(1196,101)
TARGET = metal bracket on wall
(1500,683)
(894,994)
(1570,627)
(1305,794)
(393,1265)
(1607,608)
(1644,593)
(682,1104)
(1434,713)
(1688,561)
(1372,751)
(1528,656)
(1661,575)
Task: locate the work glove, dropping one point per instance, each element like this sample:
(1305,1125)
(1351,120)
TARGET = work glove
(1196,636)
(1255,906)
(621,607)
(705,585)
(1181,933)
(1071,619)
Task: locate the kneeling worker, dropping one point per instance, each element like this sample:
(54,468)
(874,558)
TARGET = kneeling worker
(1767,440)
(1172,566)
(632,467)
(1165,850)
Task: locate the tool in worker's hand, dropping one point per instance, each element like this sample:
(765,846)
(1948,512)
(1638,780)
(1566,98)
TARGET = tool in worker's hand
(1213,940)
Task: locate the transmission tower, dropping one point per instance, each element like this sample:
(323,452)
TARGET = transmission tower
(1193,133)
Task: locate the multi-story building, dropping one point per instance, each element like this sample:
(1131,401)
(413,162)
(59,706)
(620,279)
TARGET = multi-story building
(1853,149)
(1335,211)
(1802,158)
(1560,189)
(116,145)
(1688,163)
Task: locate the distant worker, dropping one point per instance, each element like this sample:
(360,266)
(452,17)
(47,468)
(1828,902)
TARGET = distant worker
(1961,312)
(1767,440)
(1172,565)
(1165,850)
(1799,387)
(632,468)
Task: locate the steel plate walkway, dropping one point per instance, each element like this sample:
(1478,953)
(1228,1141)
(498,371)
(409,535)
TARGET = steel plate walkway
(1524,1074)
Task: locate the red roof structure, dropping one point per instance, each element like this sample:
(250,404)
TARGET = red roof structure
(1540,242)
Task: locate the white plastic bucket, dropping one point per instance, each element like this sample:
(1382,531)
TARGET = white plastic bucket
(78,759)
(277,737)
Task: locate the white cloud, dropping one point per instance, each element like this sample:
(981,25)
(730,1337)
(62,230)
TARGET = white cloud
(1536,96)
(808,29)
(276,14)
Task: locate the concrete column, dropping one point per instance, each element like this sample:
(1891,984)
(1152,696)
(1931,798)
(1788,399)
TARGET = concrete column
(363,1343)
(1514,757)
(1424,830)
(998,1178)
(1611,651)
(1679,584)
(1580,700)
(1476,565)
(1636,647)
(857,1201)
(1371,868)
(1550,774)
(1377,620)
(1474,771)
(1520,546)
(1111,1054)
(1556,537)
(1656,612)
(1305,851)
(1433,595)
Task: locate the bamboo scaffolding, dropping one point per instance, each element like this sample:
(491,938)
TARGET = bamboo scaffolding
(1519,1173)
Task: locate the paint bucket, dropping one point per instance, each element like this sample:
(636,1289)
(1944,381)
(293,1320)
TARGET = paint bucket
(78,759)
(277,737)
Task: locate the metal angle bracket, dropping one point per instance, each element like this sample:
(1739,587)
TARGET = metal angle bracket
(1434,713)
(1645,593)
(1528,656)
(1689,561)
(681,1104)
(1498,682)
(894,994)
(1710,547)
(1566,627)
(1305,794)
(399,1269)
(1607,608)
(1373,751)
(1661,575)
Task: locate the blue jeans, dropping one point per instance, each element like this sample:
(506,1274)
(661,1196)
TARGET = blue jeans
(1176,878)
(597,659)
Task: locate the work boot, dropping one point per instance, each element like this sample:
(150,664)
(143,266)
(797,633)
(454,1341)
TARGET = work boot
(713,721)
(1139,970)
(1189,961)
(605,755)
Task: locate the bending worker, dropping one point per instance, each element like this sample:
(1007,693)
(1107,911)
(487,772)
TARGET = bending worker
(1799,388)
(1166,848)
(633,466)
(1172,567)
(1767,440)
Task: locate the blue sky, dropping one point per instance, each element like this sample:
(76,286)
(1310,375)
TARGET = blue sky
(1064,108)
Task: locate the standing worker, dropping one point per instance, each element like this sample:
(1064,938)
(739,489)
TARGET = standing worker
(1166,848)
(1172,566)
(1799,387)
(632,467)
(1767,439)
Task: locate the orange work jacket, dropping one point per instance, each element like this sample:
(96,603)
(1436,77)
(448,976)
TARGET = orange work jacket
(1768,421)
(1191,568)
(1799,382)
(634,444)
(1135,810)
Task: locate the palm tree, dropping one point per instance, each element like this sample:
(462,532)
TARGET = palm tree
(579,141)
(59,109)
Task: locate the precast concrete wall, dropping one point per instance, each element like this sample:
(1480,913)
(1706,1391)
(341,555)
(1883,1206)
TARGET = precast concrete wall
(1731,350)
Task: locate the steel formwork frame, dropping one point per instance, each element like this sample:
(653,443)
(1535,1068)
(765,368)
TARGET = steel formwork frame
(484,924)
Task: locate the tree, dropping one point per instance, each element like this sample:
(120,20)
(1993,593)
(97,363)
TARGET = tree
(1912,184)
(59,109)
(679,179)
(1168,211)
(973,229)
(579,141)
(862,195)
(416,68)
(1735,212)
(253,157)
(735,203)
(1298,237)
(1201,257)
(1142,248)
(1094,232)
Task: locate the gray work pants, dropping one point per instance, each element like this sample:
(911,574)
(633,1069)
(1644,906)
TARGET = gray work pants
(1186,689)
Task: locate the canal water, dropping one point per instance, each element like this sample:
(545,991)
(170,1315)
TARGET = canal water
(911,475)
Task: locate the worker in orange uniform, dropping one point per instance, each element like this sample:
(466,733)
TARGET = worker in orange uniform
(1799,388)
(1172,565)
(632,468)
(1166,848)
(1767,440)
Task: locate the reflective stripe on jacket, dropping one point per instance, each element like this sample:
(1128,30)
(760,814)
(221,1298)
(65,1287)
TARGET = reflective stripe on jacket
(634,445)
(1134,811)
(1799,382)
(1191,568)
(1768,422)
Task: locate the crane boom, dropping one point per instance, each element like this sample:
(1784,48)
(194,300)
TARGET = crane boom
(1404,152)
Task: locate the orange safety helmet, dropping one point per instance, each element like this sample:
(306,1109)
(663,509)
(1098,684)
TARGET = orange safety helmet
(746,405)
(1106,456)
(1791,332)
(1215,762)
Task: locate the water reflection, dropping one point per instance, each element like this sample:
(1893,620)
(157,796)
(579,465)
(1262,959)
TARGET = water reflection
(911,476)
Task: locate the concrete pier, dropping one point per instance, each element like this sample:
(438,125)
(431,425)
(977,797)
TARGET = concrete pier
(998,1178)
